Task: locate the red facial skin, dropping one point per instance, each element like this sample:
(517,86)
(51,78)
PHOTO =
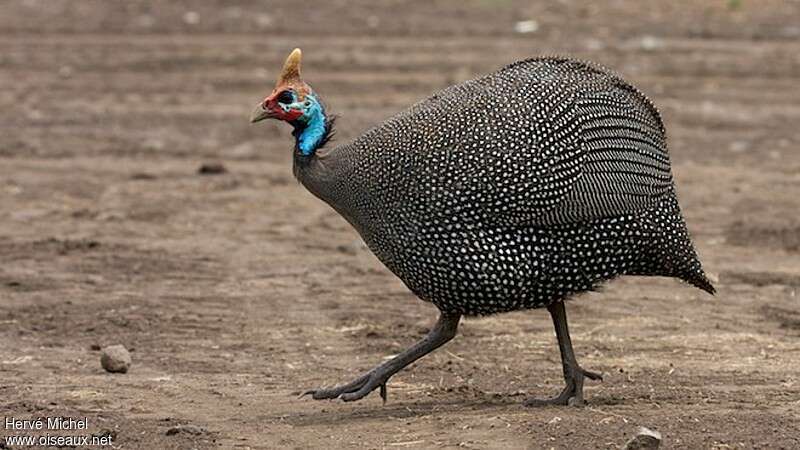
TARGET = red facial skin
(271,104)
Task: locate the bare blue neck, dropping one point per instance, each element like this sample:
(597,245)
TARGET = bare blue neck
(311,128)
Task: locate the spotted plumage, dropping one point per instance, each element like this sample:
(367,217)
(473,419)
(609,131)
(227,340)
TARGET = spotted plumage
(515,190)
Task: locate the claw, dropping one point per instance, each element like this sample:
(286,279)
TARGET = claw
(572,394)
(562,399)
(355,390)
(573,373)
(440,334)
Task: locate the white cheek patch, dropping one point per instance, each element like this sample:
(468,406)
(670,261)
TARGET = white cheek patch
(297,106)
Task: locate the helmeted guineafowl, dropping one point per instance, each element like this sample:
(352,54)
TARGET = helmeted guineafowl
(511,191)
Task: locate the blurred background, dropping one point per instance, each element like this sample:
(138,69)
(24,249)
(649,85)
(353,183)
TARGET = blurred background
(139,207)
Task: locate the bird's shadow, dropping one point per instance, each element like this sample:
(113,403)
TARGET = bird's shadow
(334,412)
(330,415)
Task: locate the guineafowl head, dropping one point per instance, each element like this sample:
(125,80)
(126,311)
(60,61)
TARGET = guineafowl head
(294,101)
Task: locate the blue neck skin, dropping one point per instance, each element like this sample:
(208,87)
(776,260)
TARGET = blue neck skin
(310,127)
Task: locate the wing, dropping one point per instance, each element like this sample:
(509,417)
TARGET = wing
(622,165)
(541,142)
(578,155)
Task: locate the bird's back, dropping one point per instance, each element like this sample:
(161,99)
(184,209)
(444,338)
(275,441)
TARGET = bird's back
(497,185)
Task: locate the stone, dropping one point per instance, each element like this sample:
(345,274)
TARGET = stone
(645,439)
(115,359)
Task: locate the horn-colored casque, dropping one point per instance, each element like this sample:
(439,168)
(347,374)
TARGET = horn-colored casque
(291,68)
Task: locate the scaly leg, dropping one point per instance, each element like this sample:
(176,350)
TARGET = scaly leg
(573,373)
(444,330)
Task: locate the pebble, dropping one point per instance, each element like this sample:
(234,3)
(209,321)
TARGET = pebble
(526,26)
(650,43)
(115,359)
(191,18)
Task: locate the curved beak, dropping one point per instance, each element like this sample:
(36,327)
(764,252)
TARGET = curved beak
(259,113)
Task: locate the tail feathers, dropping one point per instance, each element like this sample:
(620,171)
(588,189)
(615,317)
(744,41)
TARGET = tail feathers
(701,281)
(682,262)
(677,254)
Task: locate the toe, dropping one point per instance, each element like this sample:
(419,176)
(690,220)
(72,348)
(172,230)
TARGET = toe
(338,391)
(576,402)
(561,399)
(592,375)
(362,392)
(322,394)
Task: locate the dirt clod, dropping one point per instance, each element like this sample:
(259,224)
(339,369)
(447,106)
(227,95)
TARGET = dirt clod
(212,169)
(115,359)
(186,429)
(143,176)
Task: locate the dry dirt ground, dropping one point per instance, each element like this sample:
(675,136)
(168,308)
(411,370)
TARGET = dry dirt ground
(237,291)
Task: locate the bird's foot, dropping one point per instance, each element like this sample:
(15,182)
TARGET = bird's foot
(356,389)
(572,394)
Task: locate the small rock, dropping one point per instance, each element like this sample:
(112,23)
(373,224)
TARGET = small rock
(212,169)
(645,439)
(65,71)
(95,347)
(115,359)
(650,43)
(188,429)
(191,18)
(263,20)
(526,26)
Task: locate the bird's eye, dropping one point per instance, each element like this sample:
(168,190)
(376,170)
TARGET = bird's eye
(286,97)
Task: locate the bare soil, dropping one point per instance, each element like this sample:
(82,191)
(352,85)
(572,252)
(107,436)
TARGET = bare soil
(236,291)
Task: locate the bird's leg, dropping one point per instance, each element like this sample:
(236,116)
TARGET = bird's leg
(442,332)
(573,373)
